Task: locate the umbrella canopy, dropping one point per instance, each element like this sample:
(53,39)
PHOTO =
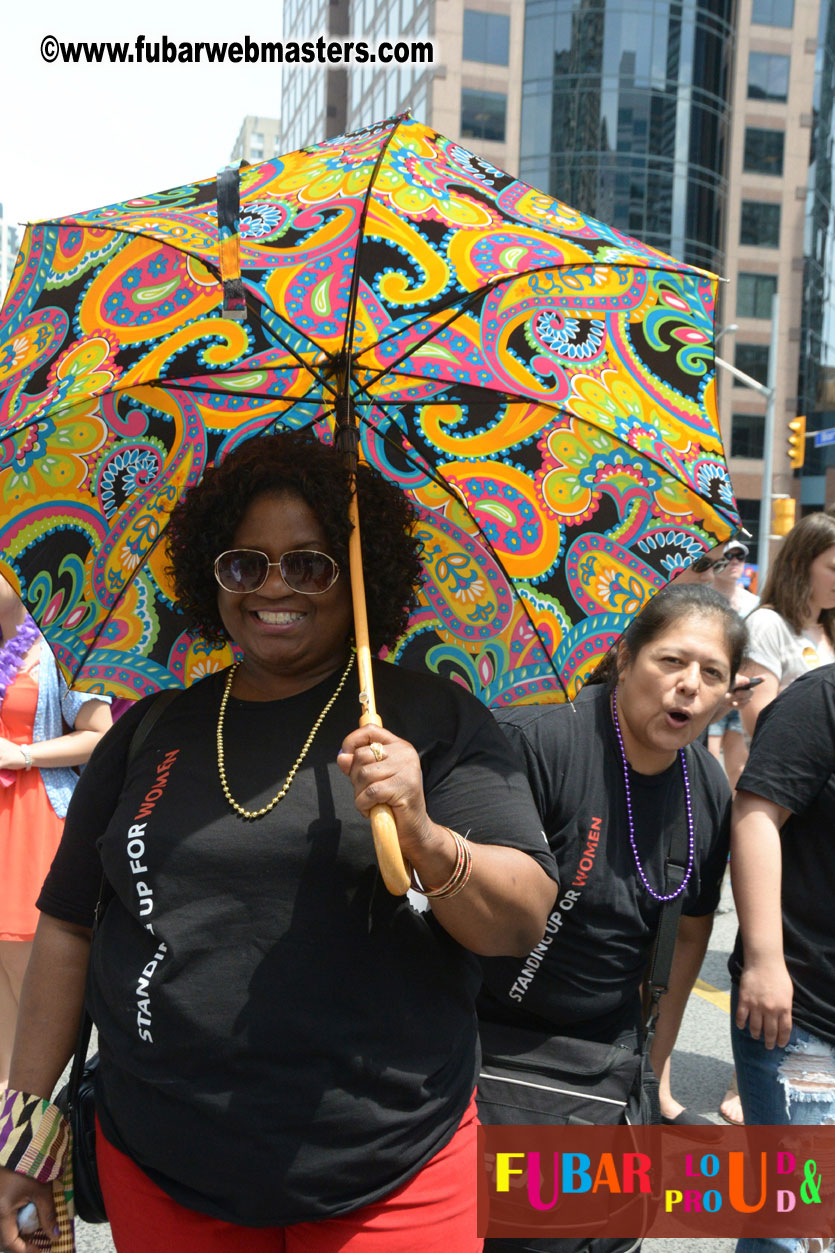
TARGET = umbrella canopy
(542,386)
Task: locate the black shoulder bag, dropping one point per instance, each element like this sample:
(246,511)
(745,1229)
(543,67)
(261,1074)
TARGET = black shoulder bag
(76,1099)
(531,1076)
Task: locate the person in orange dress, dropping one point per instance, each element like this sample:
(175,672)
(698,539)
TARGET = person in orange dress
(36,782)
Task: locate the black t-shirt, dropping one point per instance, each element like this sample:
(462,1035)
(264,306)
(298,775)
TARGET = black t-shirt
(792,763)
(281,1039)
(584,978)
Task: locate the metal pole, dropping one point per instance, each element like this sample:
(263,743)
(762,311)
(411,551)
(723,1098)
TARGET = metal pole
(743,377)
(768,449)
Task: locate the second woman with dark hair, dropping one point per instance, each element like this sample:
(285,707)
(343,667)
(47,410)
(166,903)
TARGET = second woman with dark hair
(287,1051)
(615,777)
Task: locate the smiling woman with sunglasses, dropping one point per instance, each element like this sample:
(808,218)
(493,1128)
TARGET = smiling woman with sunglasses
(288,1052)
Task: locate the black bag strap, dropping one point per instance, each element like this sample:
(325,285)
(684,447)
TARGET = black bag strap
(675,869)
(143,729)
(658,977)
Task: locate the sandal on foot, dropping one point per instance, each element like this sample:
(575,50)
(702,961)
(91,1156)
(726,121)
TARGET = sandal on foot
(731,1110)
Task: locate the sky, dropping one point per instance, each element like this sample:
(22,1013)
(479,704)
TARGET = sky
(74,137)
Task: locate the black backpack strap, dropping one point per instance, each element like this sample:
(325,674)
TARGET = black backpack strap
(658,977)
(149,720)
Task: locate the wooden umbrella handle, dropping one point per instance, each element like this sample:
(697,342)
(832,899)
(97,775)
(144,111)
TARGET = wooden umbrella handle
(384,834)
(387,848)
(383,827)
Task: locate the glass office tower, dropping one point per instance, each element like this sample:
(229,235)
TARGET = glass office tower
(625,115)
(817,357)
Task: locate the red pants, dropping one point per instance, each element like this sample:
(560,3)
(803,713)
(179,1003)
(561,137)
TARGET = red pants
(434,1212)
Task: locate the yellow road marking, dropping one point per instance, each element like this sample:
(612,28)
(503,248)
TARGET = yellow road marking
(722,1000)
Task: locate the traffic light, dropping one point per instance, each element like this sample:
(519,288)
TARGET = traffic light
(797,442)
(783,519)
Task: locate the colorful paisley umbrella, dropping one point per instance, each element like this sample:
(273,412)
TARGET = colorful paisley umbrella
(541,385)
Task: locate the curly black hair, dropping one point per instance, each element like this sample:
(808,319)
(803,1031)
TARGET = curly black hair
(204,523)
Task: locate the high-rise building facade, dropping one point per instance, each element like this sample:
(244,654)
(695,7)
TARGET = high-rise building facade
(702,127)
(626,114)
(375,91)
(314,99)
(259,139)
(705,127)
(471,91)
(778,241)
(816,386)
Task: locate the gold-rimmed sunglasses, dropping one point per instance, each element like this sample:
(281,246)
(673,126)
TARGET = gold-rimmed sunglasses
(304,570)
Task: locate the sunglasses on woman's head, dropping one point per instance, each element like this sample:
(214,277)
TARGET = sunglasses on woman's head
(303,570)
(702,564)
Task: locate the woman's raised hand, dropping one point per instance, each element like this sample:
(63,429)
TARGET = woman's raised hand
(385,770)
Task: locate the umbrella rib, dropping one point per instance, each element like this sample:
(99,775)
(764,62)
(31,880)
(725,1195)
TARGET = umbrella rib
(722,510)
(253,307)
(469,300)
(305,426)
(74,223)
(238,393)
(347,343)
(113,608)
(122,591)
(163,384)
(433,474)
(491,398)
(472,299)
(320,378)
(473,296)
(449,303)
(253,367)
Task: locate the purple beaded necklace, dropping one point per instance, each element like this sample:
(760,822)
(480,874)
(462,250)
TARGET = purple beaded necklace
(14,650)
(688,805)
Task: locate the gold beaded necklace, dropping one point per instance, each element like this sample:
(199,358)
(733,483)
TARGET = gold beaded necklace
(279,796)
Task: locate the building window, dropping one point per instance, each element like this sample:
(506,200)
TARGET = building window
(768,76)
(773,12)
(749,512)
(256,146)
(483,114)
(486,37)
(752,359)
(747,431)
(763,151)
(754,293)
(760,224)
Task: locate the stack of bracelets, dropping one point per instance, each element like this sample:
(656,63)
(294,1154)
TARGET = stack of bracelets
(458,879)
